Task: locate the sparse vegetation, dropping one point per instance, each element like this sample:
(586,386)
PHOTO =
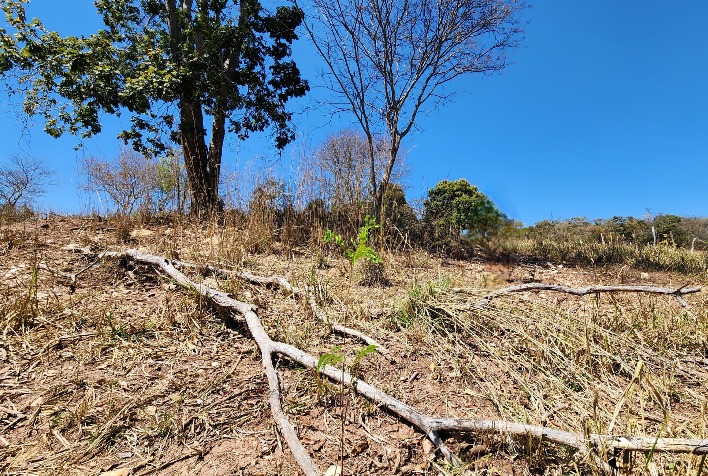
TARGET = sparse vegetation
(117,360)
(631,365)
(22,179)
(680,243)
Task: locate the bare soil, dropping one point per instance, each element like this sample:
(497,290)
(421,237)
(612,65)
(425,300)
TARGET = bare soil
(125,373)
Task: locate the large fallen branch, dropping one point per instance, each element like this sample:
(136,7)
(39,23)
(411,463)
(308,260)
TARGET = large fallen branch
(678,293)
(282,283)
(591,446)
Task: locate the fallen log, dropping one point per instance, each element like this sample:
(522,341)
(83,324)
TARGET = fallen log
(592,446)
(677,293)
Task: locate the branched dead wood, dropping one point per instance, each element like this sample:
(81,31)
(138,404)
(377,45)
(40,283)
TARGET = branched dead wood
(340,329)
(678,293)
(71,277)
(592,445)
(283,283)
(607,442)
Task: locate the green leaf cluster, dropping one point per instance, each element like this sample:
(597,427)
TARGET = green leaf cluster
(359,248)
(333,357)
(458,205)
(336,356)
(228,57)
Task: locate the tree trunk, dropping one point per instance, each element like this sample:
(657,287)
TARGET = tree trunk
(203,180)
(380,202)
(216,148)
(201,165)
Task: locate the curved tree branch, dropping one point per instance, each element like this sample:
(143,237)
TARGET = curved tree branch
(427,424)
(282,283)
(678,293)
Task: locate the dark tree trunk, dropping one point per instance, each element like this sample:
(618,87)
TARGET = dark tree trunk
(203,180)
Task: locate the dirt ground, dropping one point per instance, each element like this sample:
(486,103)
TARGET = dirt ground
(125,373)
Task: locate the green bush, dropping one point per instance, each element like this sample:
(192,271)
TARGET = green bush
(457,210)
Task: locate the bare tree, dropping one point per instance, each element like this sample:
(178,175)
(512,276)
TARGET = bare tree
(386,58)
(337,173)
(22,180)
(128,182)
(342,167)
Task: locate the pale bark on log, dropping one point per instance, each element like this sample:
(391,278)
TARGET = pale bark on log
(283,283)
(592,446)
(608,442)
(678,293)
(225,303)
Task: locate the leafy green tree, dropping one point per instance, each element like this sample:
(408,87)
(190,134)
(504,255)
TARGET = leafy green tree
(671,231)
(171,66)
(628,229)
(459,206)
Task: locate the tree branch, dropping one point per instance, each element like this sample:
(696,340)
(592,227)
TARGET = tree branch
(281,282)
(429,425)
(677,293)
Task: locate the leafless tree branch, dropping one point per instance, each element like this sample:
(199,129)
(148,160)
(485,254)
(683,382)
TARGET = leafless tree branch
(390,57)
(592,445)
(677,293)
(22,179)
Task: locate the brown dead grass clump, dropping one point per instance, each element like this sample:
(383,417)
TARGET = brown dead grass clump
(127,371)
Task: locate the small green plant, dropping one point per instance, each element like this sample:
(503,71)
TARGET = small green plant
(335,357)
(363,352)
(359,248)
(332,357)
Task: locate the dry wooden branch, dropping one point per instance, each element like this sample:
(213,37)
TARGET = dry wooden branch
(429,425)
(607,442)
(12,412)
(283,283)
(71,276)
(322,316)
(226,305)
(677,293)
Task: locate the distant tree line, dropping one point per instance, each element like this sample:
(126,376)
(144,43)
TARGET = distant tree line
(664,229)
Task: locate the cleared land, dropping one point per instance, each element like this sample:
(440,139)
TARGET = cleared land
(125,371)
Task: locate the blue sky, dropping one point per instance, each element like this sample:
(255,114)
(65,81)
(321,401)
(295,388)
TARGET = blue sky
(603,112)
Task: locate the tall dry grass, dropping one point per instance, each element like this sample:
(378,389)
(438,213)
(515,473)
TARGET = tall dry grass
(649,257)
(627,365)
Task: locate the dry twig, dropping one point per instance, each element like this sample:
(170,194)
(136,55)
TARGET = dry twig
(429,425)
(283,283)
(677,293)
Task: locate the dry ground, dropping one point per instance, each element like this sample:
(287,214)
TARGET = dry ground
(127,374)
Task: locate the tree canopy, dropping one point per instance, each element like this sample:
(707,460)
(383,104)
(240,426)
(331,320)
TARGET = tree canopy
(170,67)
(459,206)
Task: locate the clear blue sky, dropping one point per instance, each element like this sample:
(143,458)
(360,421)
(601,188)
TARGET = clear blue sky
(603,112)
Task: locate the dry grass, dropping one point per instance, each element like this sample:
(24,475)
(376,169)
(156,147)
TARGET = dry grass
(630,365)
(649,257)
(131,372)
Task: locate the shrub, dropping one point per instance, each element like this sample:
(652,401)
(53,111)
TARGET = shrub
(127,184)
(22,179)
(454,208)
